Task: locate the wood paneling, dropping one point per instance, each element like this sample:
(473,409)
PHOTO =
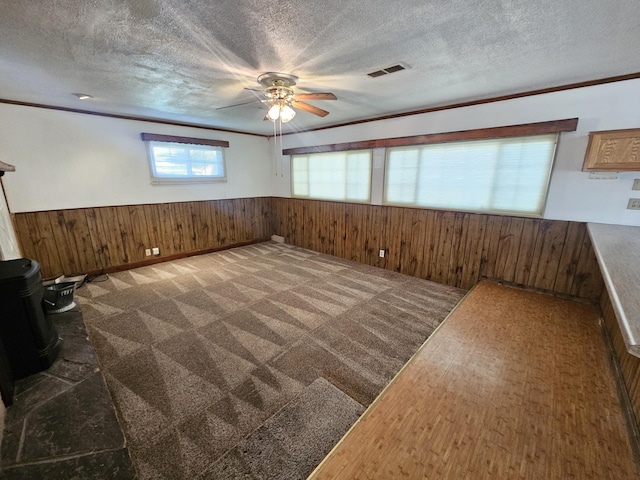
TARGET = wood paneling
(629,364)
(454,248)
(101,238)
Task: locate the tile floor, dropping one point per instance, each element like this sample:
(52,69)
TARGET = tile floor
(62,423)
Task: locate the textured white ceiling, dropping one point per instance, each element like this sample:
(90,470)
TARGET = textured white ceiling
(181,59)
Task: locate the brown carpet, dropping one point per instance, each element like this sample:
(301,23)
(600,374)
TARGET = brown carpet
(209,358)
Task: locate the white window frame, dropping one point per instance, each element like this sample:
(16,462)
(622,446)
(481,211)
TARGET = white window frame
(185,143)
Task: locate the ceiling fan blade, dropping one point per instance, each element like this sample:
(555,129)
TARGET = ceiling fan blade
(309,108)
(239,104)
(315,96)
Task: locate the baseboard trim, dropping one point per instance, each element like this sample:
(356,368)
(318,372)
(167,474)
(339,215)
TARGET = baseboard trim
(167,258)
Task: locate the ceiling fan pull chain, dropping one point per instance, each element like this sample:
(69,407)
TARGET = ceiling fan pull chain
(275,148)
(280,151)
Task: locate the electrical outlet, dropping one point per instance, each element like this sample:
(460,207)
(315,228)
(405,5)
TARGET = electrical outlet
(147,252)
(636,184)
(634,204)
(381,253)
(156,250)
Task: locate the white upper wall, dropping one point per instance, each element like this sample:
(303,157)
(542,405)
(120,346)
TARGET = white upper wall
(70,160)
(572,195)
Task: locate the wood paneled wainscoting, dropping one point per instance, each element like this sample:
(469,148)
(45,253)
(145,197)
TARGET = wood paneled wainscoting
(629,364)
(454,248)
(105,238)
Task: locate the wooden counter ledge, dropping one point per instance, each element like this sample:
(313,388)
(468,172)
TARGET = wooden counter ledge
(514,384)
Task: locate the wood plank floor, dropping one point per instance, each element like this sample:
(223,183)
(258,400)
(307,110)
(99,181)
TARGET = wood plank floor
(514,384)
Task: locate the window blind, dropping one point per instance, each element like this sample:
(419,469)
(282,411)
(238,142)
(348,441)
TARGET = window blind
(342,176)
(504,175)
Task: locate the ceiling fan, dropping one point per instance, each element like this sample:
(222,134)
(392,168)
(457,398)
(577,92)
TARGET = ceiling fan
(281,99)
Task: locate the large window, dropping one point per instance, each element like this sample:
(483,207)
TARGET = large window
(185,160)
(343,176)
(505,175)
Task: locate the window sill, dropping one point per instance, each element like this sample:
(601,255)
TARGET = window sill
(186,181)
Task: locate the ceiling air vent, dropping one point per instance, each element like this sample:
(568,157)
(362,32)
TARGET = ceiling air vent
(384,71)
(377,73)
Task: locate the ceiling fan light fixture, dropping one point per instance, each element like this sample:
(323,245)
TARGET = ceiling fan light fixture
(281,100)
(287,113)
(274,112)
